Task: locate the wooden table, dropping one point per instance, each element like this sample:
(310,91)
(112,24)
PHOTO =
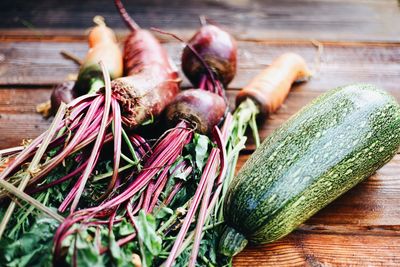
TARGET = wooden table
(361,43)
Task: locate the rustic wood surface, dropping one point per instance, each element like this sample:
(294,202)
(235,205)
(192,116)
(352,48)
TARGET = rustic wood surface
(361,41)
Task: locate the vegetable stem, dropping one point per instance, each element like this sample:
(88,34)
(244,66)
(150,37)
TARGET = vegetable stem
(34,164)
(99,140)
(21,195)
(209,173)
(110,173)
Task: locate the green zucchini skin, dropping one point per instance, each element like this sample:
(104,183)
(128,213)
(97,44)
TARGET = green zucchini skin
(339,139)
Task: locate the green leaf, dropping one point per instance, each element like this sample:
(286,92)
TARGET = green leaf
(86,252)
(125,228)
(149,240)
(33,248)
(164,212)
(201,150)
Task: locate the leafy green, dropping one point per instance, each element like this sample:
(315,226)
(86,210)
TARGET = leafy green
(34,248)
(83,245)
(86,252)
(201,143)
(149,241)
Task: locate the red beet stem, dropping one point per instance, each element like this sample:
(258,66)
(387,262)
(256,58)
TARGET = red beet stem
(75,140)
(159,186)
(209,172)
(99,141)
(59,181)
(132,25)
(200,221)
(223,159)
(174,191)
(117,146)
(212,86)
(160,157)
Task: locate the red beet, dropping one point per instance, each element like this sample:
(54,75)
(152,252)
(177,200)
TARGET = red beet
(62,93)
(217,48)
(152,79)
(201,108)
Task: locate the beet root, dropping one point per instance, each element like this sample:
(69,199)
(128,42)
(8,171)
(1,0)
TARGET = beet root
(62,93)
(217,48)
(203,109)
(145,95)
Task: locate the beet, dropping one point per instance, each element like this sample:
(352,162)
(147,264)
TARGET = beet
(62,93)
(201,108)
(217,48)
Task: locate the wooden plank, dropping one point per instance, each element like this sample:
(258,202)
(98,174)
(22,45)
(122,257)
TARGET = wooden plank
(18,119)
(363,20)
(308,249)
(40,63)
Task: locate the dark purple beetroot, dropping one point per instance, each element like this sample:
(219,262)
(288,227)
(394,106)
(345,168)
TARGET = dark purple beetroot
(201,108)
(62,93)
(219,51)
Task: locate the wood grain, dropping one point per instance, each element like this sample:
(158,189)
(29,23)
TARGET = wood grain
(40,63)
(317,250)
(361,20)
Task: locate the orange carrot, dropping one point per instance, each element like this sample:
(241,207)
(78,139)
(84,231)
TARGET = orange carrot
(270,88)
(103,47)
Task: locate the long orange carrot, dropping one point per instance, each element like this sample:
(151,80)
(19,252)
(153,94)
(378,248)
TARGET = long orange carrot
(270,88)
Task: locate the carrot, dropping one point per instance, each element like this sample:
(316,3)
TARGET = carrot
(270,88)
(103,47)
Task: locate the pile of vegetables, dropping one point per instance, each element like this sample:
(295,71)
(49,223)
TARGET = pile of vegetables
(98,189)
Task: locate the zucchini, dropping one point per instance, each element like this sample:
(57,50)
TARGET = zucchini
(338,140)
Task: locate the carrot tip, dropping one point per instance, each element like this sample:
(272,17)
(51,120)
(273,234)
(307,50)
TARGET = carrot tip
(99,20)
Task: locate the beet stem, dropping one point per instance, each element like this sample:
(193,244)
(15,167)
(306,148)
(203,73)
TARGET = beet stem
(24,155)
(130,147)
(132,25)
(59,181)
(33,202)
(34,164)
(75,140)
(10,151)
(200,222)
(159,186)
(117,146)
(208,173)
(99,140)
(159,157)
(108,174)
(222,147)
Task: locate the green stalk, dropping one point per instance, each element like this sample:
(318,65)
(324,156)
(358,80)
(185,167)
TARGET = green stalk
(130,147)
(29,211)
(30,200)
(131,162)
(33,166)
(110,173)
(95,85)
(172,219)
